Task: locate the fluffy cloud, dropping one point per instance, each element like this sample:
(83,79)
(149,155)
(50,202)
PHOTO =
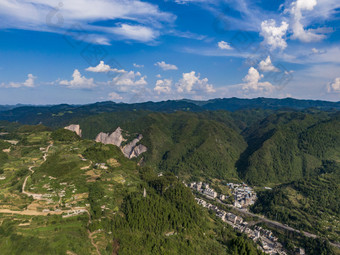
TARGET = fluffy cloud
(253,85)
(29,83)
(114,96)
(267,66)
(42,15)
(298,30)
(334,87)
(138,66)
(166,66)
(224,45)
(100,68)
(137,33)
(127,80)
(190,83)
(163,86)
(273,35)
(78,81)
(103,68)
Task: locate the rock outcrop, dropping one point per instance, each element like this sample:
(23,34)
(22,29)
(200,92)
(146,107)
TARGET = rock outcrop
(74,128)
(116,138)
(130,150)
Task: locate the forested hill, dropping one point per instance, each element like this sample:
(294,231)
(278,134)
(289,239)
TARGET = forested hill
(60,114)
(257,145)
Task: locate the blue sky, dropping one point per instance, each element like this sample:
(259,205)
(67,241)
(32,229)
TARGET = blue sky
(83,51)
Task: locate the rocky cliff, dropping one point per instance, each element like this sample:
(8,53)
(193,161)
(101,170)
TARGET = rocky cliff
(74,128)
(130,150)
(116,138)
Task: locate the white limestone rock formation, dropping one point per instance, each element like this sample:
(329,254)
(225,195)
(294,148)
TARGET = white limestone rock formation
(116,138)
(130,150)
(74,128)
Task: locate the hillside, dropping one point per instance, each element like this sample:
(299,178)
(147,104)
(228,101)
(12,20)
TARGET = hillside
(311,204)
(287,146)
(60,194)
(187,144)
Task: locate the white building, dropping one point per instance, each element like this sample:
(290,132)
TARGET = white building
(210,193)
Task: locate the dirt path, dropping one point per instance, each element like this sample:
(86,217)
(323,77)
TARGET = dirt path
(40,197)
(92,240)
(31,212)
(35,196)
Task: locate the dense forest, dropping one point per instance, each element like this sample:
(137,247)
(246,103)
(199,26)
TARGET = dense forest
(311,204)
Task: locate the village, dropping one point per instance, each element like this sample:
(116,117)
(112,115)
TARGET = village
(244,196)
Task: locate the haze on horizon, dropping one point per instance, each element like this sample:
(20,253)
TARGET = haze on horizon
(80,52)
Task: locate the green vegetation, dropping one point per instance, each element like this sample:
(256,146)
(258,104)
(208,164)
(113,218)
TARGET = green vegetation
(311,204)
(44,235)
(117,217)
(295,152)
(168,221)
(63,135)
(292,240)
(281,148)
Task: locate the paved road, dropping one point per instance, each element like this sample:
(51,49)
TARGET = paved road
(275,223)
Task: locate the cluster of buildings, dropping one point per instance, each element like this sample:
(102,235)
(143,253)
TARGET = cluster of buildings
(220,213)
(206,190)
(244,195)
(269,243)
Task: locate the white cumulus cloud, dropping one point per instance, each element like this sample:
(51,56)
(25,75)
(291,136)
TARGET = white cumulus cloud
(114,96)
(224,45)
(267,66)
(127,80)
(103,68)
(299,32)
(274,35)
(78,81)
(29,83)
(253,85)
(100,68)
(191,83)
(163,86)
(166,66)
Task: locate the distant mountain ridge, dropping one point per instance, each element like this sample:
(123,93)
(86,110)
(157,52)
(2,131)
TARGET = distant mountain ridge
(58,115)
